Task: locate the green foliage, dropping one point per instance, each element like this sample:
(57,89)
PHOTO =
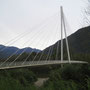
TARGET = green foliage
(17,79)
(70,77)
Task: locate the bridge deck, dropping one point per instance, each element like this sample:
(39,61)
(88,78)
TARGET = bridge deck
(38,63)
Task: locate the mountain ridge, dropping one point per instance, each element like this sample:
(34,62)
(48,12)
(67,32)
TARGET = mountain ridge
(78,42)
(6,51)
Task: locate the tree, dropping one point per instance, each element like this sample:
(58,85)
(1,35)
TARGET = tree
(87,13)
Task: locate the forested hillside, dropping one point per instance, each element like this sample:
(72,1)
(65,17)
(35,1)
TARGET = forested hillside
(69,77)
(79,45)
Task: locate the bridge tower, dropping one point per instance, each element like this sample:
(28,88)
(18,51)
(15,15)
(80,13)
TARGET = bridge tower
(63,30)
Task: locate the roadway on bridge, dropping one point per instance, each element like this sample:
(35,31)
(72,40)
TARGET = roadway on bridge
(38,63)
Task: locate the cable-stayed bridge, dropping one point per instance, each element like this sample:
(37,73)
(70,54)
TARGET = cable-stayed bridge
(7,64)
(40,63)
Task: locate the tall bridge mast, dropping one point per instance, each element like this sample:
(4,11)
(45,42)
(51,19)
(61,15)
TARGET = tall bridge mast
(63,30)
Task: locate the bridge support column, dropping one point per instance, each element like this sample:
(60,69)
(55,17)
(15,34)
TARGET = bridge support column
(63,26)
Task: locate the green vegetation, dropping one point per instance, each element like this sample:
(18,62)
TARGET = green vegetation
(70,77)
(17,79)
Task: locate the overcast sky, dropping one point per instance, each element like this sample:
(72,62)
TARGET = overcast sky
(39,18)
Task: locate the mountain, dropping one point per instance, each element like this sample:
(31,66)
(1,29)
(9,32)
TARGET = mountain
(79,42)
(6,51)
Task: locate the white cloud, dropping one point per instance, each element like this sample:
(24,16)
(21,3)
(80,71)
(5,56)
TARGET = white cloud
(17,16)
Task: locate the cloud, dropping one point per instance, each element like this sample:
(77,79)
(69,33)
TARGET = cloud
(18,16)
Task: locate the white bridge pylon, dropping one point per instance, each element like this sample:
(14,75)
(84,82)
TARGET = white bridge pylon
(40,62)
(63,30)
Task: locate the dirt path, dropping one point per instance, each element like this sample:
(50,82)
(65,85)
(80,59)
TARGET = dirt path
(40,81)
